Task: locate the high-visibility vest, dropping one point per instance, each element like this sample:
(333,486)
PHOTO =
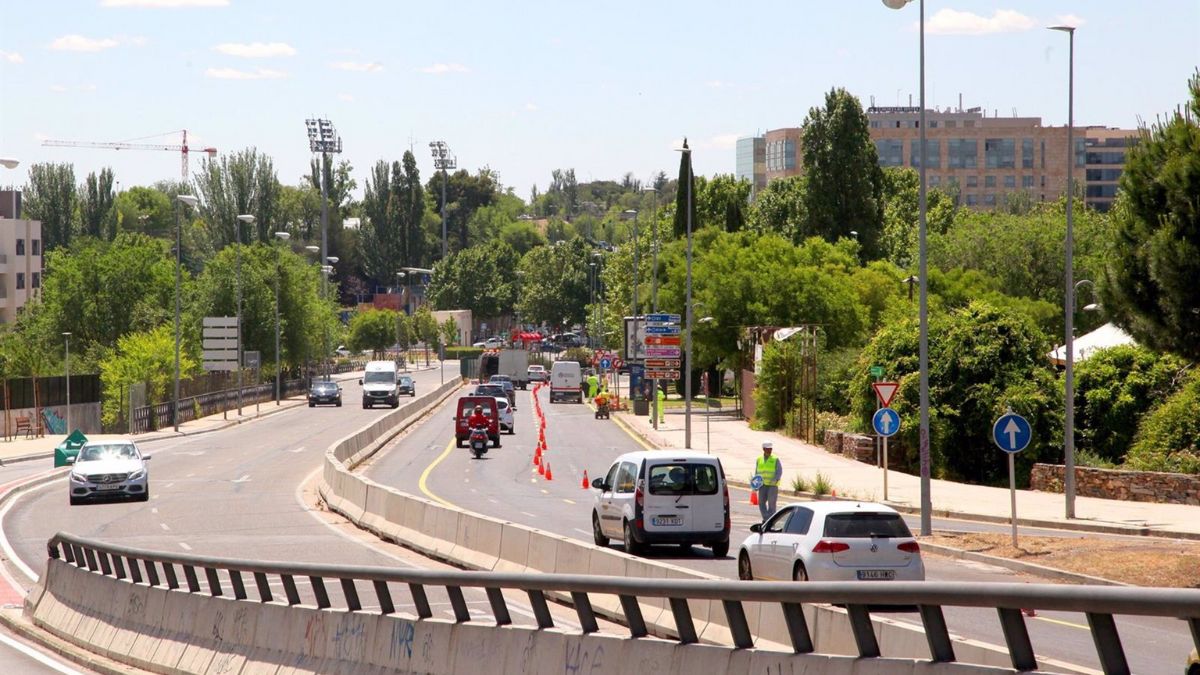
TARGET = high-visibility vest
(766,467)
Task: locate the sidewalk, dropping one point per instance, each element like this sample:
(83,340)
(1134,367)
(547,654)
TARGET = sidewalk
(21,448)
(739,447)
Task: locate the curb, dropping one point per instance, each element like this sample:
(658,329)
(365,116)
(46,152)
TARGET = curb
(1019,566)
(14,620)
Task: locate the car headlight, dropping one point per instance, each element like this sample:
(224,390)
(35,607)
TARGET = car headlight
(138,475)
(78,478)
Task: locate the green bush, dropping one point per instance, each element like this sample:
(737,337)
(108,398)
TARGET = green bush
(777,386)
(821,485)
(799,483)
(1168,438)
(460,353)
(1114,388)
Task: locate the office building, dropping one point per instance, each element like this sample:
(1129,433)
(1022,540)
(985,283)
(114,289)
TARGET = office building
(751,162)
(20,257)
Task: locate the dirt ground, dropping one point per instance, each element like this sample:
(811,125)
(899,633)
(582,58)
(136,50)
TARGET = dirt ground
(1145,561)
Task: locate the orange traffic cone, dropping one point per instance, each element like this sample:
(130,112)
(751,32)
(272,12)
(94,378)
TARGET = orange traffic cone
(537,458)
(549,475)
(542,468)
(585,480)
(754,498)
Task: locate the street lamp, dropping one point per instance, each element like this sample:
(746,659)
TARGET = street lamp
(282,236)
(654,297)
(192,202)
(328,272)
(687,339)
(67,352)
(249,220)
(707,405)
(323,138)
(442,161)
(923,361)
(1069,378)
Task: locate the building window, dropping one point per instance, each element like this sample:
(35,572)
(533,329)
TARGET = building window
(933,151)
(989,181)
(1108,191)
(1010,182)
(989,199)
(20,247)
(874,124)
(1105,175)
(1000,153)
(972,199)
(972,181)
(935,180)
(1043,154)
(969,124)
(961,153)
(891,152)
(1081,151)
(36,246)
(1117,158)
(933,124)
(37,280)
(1026,181)
(950,124)
(1026,153)
(20,280)
(1043,180)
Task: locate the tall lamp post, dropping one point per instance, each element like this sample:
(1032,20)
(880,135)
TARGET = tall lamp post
(190,201)
(323,138)
(327,270)
(282,236)
(923,303)
(249,220)
(442,160)
(654,297)
(67,364)
(1069,376)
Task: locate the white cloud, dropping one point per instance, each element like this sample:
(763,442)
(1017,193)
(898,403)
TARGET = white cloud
(718,142)
(11,57)
(164,4)
(1069,20)
(57,88)
(235,74)
(356,67)
(443,68)
(40,136)
(954,22)
(78,43)
(348,98)
(256,50)
(531,107)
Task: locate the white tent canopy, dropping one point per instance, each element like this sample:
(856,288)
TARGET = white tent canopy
(1103,337)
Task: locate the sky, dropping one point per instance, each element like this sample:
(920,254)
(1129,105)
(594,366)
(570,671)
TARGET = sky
(527,87)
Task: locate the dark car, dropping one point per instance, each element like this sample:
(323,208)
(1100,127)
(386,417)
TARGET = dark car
(325,392)
(510,390)
(405,385)
(490,389)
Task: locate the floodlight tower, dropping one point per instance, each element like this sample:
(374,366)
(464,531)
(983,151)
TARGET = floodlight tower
(443,160)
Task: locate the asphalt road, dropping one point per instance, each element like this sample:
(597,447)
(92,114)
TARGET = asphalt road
(505,484)
(234,493)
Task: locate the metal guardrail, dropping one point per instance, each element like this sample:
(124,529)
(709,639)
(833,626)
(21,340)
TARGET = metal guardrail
(1098,603)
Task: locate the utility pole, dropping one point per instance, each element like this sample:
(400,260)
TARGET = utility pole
(442,160)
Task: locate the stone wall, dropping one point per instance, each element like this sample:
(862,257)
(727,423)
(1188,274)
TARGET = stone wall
(1132,486)
(861,448)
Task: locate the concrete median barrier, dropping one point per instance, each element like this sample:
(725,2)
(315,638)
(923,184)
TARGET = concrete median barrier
(514,548)
(477,543)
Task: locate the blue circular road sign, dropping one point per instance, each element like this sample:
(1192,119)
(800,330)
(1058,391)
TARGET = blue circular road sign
(756,482)
(886,422)
(605,363)
(1012,432)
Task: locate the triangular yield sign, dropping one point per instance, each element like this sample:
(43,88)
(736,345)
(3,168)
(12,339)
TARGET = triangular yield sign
(885,391)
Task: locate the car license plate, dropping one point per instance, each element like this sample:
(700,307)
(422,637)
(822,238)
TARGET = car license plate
(876,575)
(665,520)
(109,487)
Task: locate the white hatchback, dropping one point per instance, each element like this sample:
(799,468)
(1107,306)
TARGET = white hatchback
(832,541)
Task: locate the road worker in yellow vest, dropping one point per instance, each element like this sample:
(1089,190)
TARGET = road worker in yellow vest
(770,470)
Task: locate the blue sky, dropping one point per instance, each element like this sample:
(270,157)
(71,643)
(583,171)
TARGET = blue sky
(527,87)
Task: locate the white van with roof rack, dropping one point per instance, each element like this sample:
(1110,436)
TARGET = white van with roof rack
(675,497)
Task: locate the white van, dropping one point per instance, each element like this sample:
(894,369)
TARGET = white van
(663,497)
(379,384)
(566,382)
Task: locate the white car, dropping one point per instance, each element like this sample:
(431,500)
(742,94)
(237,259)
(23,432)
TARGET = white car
(490,343)
(663,497)
(505,414)
(113,468)
(537,373)
(832,541)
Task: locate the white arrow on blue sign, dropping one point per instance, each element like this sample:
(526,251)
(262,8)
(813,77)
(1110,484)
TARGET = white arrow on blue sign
(1012,432)
(661,330)
(886,422)
(605,364)
(662,318)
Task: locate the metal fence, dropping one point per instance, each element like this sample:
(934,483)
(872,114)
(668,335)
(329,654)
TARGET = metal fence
(1098,603)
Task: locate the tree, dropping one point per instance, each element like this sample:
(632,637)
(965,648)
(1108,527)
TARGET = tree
(96,206)
(779,208)
(143,210)
(683,194)
(845,183)
(408,203)
(383,241)
(426,328)
(143,357)
(449,331)
(1151,288)
(1168,438)
(241,183)
(901,214)
(373,329)
(300,211)
(480,279)
(465,193)
(522,236)
(723,202)
(554,285)
(51,198)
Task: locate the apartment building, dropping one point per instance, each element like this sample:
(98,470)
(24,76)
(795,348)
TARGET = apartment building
(984,160)
(20,257)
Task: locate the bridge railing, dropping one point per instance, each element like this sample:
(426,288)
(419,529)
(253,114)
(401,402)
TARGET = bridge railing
(220,577)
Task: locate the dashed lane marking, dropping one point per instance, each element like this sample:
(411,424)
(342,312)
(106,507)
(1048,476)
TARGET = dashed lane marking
(184,546)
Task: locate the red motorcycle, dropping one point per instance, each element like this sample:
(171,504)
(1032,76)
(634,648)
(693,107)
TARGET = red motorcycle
(478,441)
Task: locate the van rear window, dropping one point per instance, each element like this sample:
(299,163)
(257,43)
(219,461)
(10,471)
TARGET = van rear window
(865,525)
(683,479)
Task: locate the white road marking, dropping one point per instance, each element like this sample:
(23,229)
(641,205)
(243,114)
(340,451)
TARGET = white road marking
(184,546)
(193,453)
(243,479)
(526,513)
(190,475)
(493,500)
(7,547)
(165,527)
(38,656)
(154,510)
(299,449)
(168,486)
(585,532)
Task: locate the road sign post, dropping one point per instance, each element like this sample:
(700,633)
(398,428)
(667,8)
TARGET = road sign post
(886,422)
(1012,434)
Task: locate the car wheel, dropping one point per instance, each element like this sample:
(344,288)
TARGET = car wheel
(339,404)
(632,547)
(745,573)
(799,573)
(75,501)
(458,442)
(366,406)
(496,441)
(145,496)
(720,549)
(311,404)
(597,533)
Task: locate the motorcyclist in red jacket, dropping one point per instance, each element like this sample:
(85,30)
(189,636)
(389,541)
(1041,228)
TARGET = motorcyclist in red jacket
(477,418)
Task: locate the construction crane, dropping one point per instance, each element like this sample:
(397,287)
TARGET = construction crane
(182,149)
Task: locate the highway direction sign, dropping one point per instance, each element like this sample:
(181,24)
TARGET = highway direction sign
(663,364)
(662,329)
(662,318)
(662,374)
(662,352)
(220,344)
(662,340)
(886,422)
(1012,432)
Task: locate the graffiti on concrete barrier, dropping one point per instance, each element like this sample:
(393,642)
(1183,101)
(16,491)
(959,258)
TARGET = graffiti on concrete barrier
(582,659)
(349,638)
(136,606)
(314,635)
(403,633)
